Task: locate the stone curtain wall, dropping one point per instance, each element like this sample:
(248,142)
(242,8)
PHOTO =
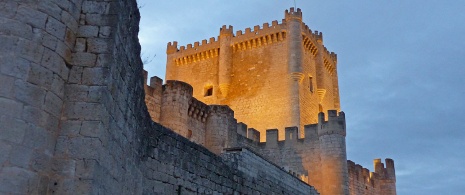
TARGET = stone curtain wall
(73,113)
(36,39)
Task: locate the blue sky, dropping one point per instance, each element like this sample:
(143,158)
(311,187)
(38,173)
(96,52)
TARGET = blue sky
(401,65)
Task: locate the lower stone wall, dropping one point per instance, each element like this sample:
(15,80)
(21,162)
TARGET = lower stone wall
(267,176)
(175,165)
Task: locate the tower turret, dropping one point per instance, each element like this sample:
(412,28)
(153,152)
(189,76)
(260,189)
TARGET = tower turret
(175,106)
(225,60)
(171,70)
(387,176)
(333,154)
(220,128)
(294,59)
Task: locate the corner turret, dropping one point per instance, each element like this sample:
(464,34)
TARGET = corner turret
(333,153)
(293,14)
(225,60)
(387,176)
(172,47)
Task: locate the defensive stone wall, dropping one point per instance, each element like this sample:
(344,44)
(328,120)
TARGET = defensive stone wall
(313,158)
(382,181)
(36,38)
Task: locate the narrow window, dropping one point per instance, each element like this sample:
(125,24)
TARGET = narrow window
(208,91)
(310,85)
(290,135)
(189,134)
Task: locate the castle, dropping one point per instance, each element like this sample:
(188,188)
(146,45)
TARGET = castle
(277,79)
(76,115)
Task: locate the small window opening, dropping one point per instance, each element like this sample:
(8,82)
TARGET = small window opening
(310,85)
(189,134)
(290,135)
(208,91)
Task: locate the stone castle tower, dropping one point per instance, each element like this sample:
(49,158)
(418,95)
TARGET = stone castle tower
(272,76)
(278,79)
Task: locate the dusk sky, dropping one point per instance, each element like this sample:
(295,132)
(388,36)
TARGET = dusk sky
(401,66)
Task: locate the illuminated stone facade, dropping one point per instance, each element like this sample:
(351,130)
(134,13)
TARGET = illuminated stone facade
(274,76)
(277,79)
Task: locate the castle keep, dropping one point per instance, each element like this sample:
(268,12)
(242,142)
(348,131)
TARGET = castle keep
(273,76)
(278,80)
(77,117)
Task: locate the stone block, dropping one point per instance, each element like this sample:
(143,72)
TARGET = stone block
(99,45)
(95,7)
(15,180)
(84,59)
(80,45)
(38,137)
(34,115)
(95,76)
(53,104)
(55,28)
(20,156)
(29,93)
(13,107)
(31,50)
(8,8)
(14,67)
(87,31)
(84,111)
(58,86)
(45,38)
(55,63)
(64,167)
(15,28)
(31,16)
(92,129)
(85,147)
(70,128)
(8,47)
(50,8)
(100,19)
(69,20)
(105,32)
(64,51)
(104,60)
(40,76)
(12,129)
(5,149)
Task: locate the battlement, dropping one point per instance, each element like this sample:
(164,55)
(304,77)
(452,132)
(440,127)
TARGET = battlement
(293,14)
(387,172)
(382,181)
(336,123)
(362,176)
(173,85)
(198,110)
(226,31)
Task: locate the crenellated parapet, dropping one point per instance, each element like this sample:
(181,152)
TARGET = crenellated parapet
(193,53)
(336,123)
(259,36)
(381,181)
(198,110)
(293,14)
